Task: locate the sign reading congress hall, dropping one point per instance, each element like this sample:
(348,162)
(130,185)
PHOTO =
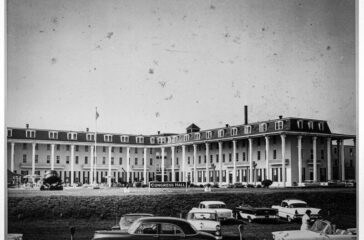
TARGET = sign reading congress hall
(167,184)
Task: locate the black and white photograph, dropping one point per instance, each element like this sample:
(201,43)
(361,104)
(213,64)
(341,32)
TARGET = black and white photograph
(181,119)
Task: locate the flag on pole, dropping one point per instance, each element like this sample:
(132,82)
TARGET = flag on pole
(97,114)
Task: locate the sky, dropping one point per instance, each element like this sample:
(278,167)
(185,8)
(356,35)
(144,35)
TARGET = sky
(160,65)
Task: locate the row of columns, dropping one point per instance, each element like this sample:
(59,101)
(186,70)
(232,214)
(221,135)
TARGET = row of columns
(340,146)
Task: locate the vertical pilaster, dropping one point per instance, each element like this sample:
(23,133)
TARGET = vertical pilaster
(12,157)
(329,167)
(33,159)
(128,165)
(162,164)
(195,163)
(207,163)
(299,138)
(91,180)
(72,163)
(145,166)
(283,138)
(184,174)
(173,160)
(250,160)
(267,175)
(109,173)
(342,158)
(52,157)
(234,160)
(220,162)
(314,147)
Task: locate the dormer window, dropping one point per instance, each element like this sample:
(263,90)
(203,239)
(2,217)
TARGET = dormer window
(108,138)
(197,136)
(186,137)
(208,135)
(310,125)
(247,129)
(234,131)
(161,140)
(278,125)
(71,136)
(174,139)
(152,140)
(53,135)
(263,127)
(124,139)
(30,134)
(299,124)
(10,132)
(139,139)
(321,126)
(90,137)
(169,140)
(221,132)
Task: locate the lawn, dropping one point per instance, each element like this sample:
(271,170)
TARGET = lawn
(48,215)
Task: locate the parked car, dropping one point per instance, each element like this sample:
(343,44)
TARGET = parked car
(293,209)
(350,183)
(127,219)
(320,230)
(14,236)
(205,220)
(335,183)
(220,208)
(152,228)
(255,214)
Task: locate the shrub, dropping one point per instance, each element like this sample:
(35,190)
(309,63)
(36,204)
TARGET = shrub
(216,185)
(138,184)
(249,185)
(266,183)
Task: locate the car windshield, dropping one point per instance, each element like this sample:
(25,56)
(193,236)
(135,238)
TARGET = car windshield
(217,206)
(318,226)
(204,216)
(128,220)
(298,205)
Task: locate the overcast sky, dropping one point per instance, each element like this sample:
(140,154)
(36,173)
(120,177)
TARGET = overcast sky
(161,65)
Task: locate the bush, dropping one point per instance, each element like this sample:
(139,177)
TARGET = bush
(216,185)
(258,186)
(266,183)
(138,184)
(250,185)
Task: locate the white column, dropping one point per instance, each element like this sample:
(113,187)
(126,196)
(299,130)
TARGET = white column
(250,160)
(145,166)
(283,138)
(328,142)
(52,157)
(12,157)
(220,162)
(72,162)
(267,175)
(234,159)
(91,180)
(299,160)
(109,173)
(207,163)
(184,174)
(127,164)
(162,164)
(95,166)
(33,158)
(195,163)
(314,141)
(173,160)
(342,158)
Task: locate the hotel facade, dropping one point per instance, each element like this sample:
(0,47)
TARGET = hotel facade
(289,151)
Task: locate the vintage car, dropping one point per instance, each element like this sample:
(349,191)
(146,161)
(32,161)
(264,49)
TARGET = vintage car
(320,230)
(205,220)
(255,214)
(220,208)
(293,209)
(127,219)
(152,228)
(14,236)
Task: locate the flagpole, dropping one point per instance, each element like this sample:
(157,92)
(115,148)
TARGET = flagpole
(95,161)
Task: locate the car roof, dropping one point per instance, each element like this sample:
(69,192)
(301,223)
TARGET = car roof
(212,202)
(294,201)
(138,214)
(207,210)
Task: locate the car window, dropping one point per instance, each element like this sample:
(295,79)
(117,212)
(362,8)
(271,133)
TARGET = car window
(147,228)
(217,206)
(170,229)
(203,216)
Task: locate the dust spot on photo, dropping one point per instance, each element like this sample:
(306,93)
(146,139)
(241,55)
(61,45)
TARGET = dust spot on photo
(263,29)
(54,20)
(155,62)
(53,60)
(162,83)
(151,71)
(212,7)
(109,35)
(328,48)
(157,114)
(169,98)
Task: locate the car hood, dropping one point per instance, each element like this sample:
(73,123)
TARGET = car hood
(295,235)
(204,225)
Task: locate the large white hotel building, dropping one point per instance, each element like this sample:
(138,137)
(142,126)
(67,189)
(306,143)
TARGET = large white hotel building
(285,150)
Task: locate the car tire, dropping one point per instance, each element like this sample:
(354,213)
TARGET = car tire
(289,219)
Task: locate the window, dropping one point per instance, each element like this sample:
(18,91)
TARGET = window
(124,139)
(76,159)
(24,146)
(53,135)
(197,136)
(311,154)
(90,137)
(188,160)
(274,154)
(10,132)
(104,149)
(299,124)
(67,147)
(71,136)
(258,141)
(58,146)
(57,159)
(139,139)
(211,158)
(244,156)
(278,125)
(86,148)
(258,155)
(217,158)
(36,146)
(48,147)
(274,138)
(199,159)
(112,160)
(310,125)
(103,160)
(151,161)
(136,150)
(174,139)
(161,140)
(176,161)
(322,154)
(234,131)
(263,127)
(247,129)
(208,135)
(86,160)
(321,126)
(24,158)
(151,150)
(186,137)
(237,157)
(170,229)
(351,152)
(120,161)
(221,132)
(152,140)
(30,134)
(230,157)
(77,148)
(48,158)
(108,138)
